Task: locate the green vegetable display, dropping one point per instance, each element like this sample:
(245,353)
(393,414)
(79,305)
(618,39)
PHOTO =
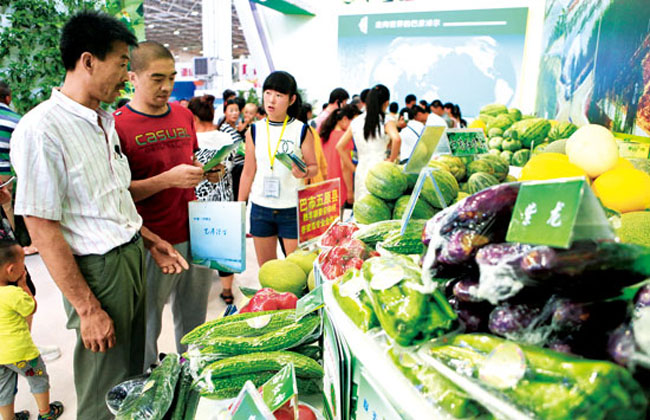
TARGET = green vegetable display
(437,387)
(153,399)
(405,308)
(305,366)
(386,181)
(370,209)
(408,243)
(448,188)
(282,338)
(554,385)
(230,386)
(422,209)
(376,232)
(354,301)
(187,399)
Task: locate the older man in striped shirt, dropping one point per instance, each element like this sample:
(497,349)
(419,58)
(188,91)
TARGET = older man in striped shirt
(73,189)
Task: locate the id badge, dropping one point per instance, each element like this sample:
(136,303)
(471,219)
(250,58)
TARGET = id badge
(271,187)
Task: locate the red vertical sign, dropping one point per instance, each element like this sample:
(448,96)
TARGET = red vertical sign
(318,208)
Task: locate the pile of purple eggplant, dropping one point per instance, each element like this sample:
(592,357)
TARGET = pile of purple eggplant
(570,300)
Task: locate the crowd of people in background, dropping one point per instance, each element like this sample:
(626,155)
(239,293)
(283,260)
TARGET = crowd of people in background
(112,227)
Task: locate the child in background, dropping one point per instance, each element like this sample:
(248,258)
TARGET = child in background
(18,354)
(271,186)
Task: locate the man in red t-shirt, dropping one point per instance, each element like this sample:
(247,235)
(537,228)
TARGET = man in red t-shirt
(159,141)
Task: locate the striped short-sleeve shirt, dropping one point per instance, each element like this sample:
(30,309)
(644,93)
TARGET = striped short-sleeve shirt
(71,169)
(8,121)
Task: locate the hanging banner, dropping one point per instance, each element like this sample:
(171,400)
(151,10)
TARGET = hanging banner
(318,207)
(131,12)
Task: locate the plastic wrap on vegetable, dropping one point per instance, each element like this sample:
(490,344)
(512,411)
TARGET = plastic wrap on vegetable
(351,296)
(437,388)
(549,384)
(336,233)
(455,234)
(267,299)
(409,242)
(225,378)
(248,333)
(596,268)
(408,309)
(376,232)
(501,276)
(153,399)
(349,254)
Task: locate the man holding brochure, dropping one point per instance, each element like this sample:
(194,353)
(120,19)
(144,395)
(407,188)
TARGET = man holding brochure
(159,140)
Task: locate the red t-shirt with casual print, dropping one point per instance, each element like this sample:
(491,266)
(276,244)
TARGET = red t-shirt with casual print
(154,144)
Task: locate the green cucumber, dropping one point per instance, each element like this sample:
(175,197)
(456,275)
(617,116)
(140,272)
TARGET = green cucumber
(280,339)
(264,361)
(239,325)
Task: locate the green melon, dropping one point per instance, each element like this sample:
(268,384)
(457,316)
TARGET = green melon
(304,259)
(480,181)
(439,165)
(422,209)
(386,180)
(283,276)
(370,209)
(515,114)
(499,165)
(448,188)
(495,143)
(531,130)
(562,130)
(455,164)
(480,166)
(494,109)
(520,157)
(507,156)
(502,121)
(495,132)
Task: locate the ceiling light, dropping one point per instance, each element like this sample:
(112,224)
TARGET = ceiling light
(166,45)
(194,13)
(177,32)
(184,48)
(201,52)
(151,26)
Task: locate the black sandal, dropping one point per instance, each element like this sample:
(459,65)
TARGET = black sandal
(228,298)
(21,415)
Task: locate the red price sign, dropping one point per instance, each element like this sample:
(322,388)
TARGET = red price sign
(318,207)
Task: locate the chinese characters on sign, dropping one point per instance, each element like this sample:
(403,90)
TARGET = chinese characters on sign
(407,23)
(318,208)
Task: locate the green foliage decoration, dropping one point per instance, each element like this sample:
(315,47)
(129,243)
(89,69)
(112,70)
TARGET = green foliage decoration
(30,61)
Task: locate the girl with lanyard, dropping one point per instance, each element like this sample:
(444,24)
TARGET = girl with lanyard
(271,187)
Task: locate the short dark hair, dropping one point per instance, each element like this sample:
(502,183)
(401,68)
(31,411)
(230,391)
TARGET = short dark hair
(448,105)
(304,110)
(202,107)
(8,252)
(146,52)
(241,102)
(393,107)
(436,103)
(93,32)
(338,95)
(364,95)
(5,90)
(424,104)
(416,110)
(227,94)
(410,98)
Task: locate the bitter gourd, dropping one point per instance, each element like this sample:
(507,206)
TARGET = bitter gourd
(264,361)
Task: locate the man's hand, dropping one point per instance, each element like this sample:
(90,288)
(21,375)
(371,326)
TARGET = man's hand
(215,174)
(97,330)
(184,176)
(167,258)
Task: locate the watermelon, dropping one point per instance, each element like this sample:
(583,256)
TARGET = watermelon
(422,209)
(503,121)
(455,164)
(411,179)
(463,187)
(510,144)
(439,165)
(515,114)
(494,109)
(507,156)
(479,166)
(495,143)
(499,165)
(495,132)
(448,188)
(480,181)
(486,118)
(370,209)
(520,157)
(562,130)
(495,152)
(386,180)
(531,130)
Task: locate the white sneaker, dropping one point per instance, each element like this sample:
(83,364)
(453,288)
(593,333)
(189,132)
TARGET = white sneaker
(49,353)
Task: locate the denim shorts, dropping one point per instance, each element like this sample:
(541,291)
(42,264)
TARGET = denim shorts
(35,372)
(266,222)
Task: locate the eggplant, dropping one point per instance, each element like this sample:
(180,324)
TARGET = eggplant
(463,290)
(642,297)
(512,319)
(569,315)
(621,345)
(474,315)
(561,346)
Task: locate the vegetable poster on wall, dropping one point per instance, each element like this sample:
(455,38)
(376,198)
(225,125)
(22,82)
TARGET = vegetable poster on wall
(131,12)
(595,64)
